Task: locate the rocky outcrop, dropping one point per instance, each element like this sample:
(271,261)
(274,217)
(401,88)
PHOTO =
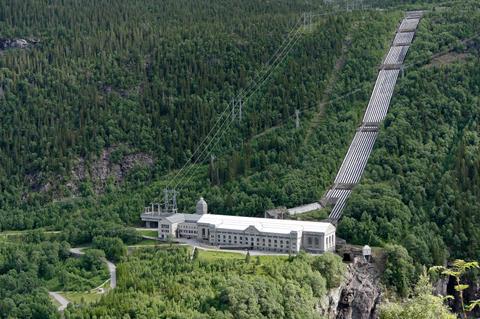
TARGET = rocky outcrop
(113,165)
(440,287)
(445,286)
(107,166)
(16,43)
(357,297)
(472,293)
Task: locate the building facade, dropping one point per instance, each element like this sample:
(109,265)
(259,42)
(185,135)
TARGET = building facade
(276,235)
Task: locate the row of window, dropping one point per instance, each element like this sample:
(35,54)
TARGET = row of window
(281,244)
(247,239)
(236,235)
(187,231)
(310,241)
(186,226)
(261,235)
(330,241)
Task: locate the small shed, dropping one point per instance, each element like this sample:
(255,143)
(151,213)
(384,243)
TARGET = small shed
(367,252)
(276,213)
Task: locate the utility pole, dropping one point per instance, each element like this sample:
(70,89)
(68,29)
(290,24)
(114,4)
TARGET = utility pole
(212,158)
(297,118)
(240,107)
(214,176)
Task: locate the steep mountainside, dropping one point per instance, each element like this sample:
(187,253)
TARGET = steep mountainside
(57,149)
(422,183)
(103,101)
(148,75)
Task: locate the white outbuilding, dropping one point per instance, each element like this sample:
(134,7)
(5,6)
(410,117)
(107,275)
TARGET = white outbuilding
(367,252)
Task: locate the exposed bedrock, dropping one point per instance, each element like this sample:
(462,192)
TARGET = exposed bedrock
(16,43)
(357,297)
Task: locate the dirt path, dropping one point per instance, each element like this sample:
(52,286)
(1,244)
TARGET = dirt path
(318,116)
(268,130)
(60,299)
(339,64)
(113,273)
(112,269)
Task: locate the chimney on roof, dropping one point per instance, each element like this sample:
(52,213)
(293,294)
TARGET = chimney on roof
(202,207)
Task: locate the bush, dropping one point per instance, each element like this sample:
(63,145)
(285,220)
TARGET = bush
(331,267)
(399,269)
(113,247)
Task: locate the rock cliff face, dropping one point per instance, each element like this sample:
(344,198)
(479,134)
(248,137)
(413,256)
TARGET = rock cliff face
(445,286)
(16,43)
(106,167)
(112,166)
(357,297)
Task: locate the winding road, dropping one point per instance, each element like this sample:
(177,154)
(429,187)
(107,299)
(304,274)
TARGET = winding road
(77,252)
(60,299)
(112,269)
(113,273)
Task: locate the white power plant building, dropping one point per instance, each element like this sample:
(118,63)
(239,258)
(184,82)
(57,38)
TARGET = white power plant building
(236,232)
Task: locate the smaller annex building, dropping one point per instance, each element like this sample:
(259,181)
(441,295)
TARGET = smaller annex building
(236,232)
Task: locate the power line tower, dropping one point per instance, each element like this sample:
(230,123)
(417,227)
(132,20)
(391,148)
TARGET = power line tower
(307,21)
(170,201)
(362,5)
(297,119)
(237,109)
(213,170)
(348,6)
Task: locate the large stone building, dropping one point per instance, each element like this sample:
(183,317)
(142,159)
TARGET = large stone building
(278,235)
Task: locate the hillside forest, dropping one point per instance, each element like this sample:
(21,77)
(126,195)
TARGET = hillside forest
(109,99)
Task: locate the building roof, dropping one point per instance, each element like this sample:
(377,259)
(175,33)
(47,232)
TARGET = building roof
(180,218)
(304,208)
(175,218)
(266,225)
(281,209)
(192,217)
(276,212)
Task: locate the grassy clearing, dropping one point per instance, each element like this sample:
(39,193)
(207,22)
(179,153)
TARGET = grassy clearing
(149,242)
(209,255)
(82,297)
(316,215)
(148,232)
(19,235)
(12,235)
(257,264)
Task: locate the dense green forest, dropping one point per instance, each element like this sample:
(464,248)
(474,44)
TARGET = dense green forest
(128,76)
(31,266)
(421,186)
(151,77)
(165,283)
(115,73)
(268,172)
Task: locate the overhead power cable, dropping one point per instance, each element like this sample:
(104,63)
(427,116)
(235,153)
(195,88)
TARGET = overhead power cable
(277,58)
(202,158)
(224,113)
(224,121)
